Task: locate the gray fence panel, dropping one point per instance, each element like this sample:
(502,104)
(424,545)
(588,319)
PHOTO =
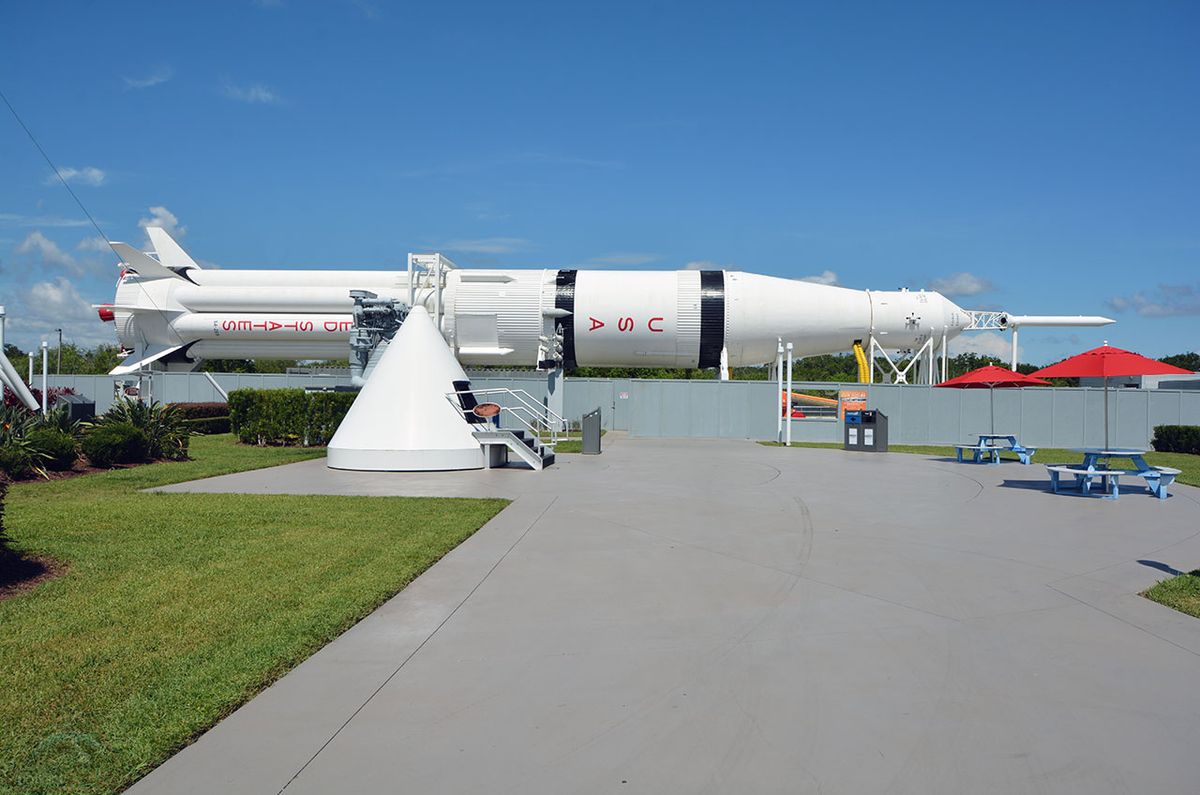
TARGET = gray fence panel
(1042,417)
(584,394)
(1189,409)
(945,420)
(1037,416)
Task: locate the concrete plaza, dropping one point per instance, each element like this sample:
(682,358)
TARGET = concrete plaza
(682,616)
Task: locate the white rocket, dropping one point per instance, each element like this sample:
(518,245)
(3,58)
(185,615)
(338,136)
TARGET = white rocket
(168,310)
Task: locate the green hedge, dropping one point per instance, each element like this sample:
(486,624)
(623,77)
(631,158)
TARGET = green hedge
(1177,438)
(206,425)
(116,443)
(287,416)
(204,417)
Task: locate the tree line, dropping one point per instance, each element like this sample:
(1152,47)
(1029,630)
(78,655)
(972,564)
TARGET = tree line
(827,367)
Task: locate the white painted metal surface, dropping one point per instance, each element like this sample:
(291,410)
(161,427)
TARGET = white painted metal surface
(401,420)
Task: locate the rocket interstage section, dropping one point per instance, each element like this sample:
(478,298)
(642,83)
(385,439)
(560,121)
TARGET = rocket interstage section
(643,319)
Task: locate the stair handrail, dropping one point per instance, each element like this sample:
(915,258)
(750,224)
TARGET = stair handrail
(536,417)
(527,400)
(541,413)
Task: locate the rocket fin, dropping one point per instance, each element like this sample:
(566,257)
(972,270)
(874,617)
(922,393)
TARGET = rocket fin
(169,252)
(149,356)
(146,266)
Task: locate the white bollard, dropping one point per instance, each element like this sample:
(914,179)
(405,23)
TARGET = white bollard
(788,400)
(779,391)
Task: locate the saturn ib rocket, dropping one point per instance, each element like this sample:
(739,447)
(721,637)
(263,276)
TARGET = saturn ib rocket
(172,313)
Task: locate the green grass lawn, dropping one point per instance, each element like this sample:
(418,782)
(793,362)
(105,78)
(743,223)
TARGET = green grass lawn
(177,608)
(1189,465)
(1181,593)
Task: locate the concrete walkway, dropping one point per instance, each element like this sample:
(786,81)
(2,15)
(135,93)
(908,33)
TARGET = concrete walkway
(690,616)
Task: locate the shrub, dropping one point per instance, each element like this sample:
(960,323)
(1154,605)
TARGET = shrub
(204,417)
(4,539)
(16,461)
(287,416)
(208,425)
(167,435)
(12,401)
(196,411)
(116,443)
(1177,439)
(59,418)
(56,447)
(15,424)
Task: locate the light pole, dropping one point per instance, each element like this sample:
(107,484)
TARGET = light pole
(58,367)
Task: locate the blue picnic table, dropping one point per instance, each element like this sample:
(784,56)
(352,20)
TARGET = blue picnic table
(1097,464)
(1025,454)
(988,448)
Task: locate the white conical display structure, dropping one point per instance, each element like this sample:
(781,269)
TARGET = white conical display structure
(401,421)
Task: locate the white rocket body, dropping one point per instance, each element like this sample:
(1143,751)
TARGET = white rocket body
(683,318)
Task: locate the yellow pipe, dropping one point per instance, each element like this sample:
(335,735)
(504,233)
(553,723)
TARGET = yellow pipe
(864,369)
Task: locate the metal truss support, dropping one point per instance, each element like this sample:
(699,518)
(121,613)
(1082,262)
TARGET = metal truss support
(900,374)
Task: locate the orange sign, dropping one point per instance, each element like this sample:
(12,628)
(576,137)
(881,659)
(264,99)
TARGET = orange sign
(851,400)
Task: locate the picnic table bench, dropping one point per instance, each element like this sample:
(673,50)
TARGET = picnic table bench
(980,453)
(1158,479)
(1025,454)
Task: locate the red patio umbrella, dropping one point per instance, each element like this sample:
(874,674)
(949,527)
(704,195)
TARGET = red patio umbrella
(1108,362)
(989,378)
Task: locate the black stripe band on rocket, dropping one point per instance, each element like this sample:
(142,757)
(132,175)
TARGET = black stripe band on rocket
(712,317)
(564,298)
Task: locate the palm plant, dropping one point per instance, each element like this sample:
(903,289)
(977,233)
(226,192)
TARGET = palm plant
(165,426)
(60,419)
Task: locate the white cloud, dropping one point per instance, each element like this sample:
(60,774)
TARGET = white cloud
(368,10)
(824,277)
(253,94)
(161,216)
(95,243)
(986,343)
(51,256)
(160,75)
(48,306)
(486,245)
(625,258)
(702,265)
(960,284)
(1168,300)
(47,250)
(88,175)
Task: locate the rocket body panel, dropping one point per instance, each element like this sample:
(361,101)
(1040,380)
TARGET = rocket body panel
(637,318)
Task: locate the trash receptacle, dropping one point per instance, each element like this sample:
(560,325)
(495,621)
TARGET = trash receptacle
(79,408)
(591,432)
(853,431)
(874,432)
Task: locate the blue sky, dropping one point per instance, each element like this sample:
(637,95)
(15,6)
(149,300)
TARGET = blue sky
(1040,158)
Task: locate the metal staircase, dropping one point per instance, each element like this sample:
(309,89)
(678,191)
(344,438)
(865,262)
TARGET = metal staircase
(522,425)
(528,447)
